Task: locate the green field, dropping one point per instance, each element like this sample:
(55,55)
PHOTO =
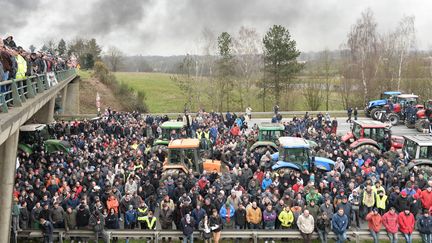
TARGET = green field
(163,95)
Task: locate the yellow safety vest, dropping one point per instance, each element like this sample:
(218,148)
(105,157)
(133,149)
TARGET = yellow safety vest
(141,213)
(199,135)
(381,202)
(207,135)
(151,223)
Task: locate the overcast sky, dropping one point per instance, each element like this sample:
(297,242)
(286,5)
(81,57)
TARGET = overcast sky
(174,27)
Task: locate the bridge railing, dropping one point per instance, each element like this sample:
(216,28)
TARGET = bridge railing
(157,235)
(13,93)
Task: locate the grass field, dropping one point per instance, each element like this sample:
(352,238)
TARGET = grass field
(163,95)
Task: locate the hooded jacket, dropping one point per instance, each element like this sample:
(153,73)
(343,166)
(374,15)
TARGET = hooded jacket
(390,222)
(424,224)
(306,224)
(253,215)
(339,223)
(406,223)
(426,199)
(374,221)
(286,218)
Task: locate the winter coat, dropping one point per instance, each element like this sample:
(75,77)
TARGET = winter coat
(406,223)
(240,217)
(286,218)
(70,220)
(266,183)
(227,218)
(426,199)
(97,221)
(390,222)
(198,215)
(374,221)
(329,210)
(339,223)
(402,203)
(269,218)
(111,221)
(57,215)
(215,223)
(131,217)
(424,224)
(253,215)
(166,218)
(306,224)
(188,228)
(82,217)
(323,224)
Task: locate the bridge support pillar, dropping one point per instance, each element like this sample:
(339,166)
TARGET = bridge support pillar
(63,94)
(46,114)
(8,154)
(72,106)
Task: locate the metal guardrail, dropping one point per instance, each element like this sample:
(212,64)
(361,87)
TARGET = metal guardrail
(17,91)
(157,235)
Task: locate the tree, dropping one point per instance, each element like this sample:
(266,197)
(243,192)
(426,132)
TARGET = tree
(61,47)
(247,48)
(312,93)
(280,59)
(363,44)
(32,48)
(114,58)
(185,80)
(325,68)
(44,48)
(93,48)
(225,69)
(405,39)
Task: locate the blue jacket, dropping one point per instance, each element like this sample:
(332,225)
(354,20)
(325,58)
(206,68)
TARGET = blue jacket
(339,223)
(266,183)
(424,225)
(131,217)
(223,213)
(198,215)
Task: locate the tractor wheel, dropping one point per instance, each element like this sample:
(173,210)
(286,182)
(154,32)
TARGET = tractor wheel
(409,124)
(374,113)
(372,149)
(367,113)
(393,119)
(421,124)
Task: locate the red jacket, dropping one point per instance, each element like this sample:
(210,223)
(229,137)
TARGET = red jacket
(426,199)
(374,221)
(406,223)
(390,222)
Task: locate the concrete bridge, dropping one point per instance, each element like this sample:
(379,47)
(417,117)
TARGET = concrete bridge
(31,99)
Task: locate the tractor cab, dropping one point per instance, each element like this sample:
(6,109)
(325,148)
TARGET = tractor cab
(169,129)
(373,106)
(268,135)
(418,151)
(423,116)
(184,157)
(373,136)
(294,154)
(33,137)
(403,100)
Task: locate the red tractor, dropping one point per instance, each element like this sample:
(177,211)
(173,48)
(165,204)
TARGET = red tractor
(399,103)
(373,136)
(424,116)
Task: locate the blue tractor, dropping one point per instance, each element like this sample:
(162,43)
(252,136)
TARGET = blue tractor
(294,154)
(373,107)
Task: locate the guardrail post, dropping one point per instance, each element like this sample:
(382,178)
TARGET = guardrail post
(357,237)
(109,237)
(40,85)
(61,236)
(156,237)
(4,107)
(15,95)
(46,82)
(30,89)
(255,237)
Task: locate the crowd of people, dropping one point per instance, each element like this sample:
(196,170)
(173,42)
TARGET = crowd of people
(112,178)
(18,63)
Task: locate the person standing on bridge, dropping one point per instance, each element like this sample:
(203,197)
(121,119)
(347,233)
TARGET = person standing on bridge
(406,224)
(47,230)
(306,225)
(374,223)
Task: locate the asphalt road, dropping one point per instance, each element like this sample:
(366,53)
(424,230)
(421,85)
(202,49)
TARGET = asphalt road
(344,127)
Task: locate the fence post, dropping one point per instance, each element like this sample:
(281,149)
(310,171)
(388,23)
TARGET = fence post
(30,89)
(46,81)
(61,236)
(15,95)
(109,237)
(255,237)
(4,107)
(357,236)
(156,237)
(40,85)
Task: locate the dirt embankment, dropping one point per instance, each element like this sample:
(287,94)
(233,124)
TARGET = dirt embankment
(88,89)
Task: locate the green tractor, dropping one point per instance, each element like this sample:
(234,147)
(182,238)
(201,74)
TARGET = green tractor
(268,135)
(164,138)
(36,136)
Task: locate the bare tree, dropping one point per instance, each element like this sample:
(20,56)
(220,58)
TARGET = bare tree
(325,68)
(114,58)
(312,93)
(405,40)
(247,48)
(363,44)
